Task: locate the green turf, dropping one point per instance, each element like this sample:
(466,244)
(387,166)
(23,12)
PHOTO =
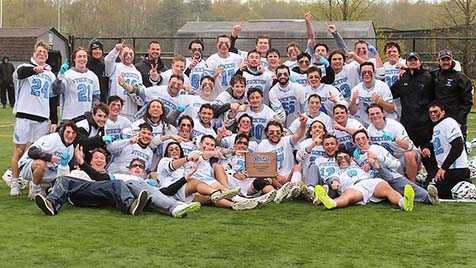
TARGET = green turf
(293,234)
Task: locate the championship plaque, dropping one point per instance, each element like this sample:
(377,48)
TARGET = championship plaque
(261,165)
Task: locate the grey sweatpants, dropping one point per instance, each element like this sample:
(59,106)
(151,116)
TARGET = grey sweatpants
(158,200)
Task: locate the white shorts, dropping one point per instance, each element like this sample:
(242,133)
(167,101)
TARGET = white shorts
(181,196)
(28,131)
(205,179)
(245,186)
(403,164)
(26,172)
(367,188)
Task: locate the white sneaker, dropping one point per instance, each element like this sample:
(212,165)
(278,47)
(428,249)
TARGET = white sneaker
(245,204)
(267,198)
(7,177)
(15,190)
(433,194)
(183,209)
(224,194)
(283,192)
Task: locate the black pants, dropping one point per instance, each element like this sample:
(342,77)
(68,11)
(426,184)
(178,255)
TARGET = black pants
(91,193)
(452,177)
(7,88)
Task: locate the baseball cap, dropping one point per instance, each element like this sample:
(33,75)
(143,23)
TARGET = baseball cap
(413,55)
(445,53)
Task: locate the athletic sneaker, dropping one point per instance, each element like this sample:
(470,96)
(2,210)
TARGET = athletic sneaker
(183,209)
(223,194)
(245,204)
(44,205)
(138,205)
(321,194)
(15,189)
(316,200)
(307,192)
(32,193)
(7,177)
(408,198)
(283,192)
(294,193)
(266,198)
(433,195)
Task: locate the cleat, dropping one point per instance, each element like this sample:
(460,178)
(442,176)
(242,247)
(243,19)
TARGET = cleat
(294,193)
(138,205)
(307,192)
(266,198)
(321,194)
(283,192)
(223,194)
(183,209)
(44,205)
(408,198)
(15,190)
(433,195)
(245,204)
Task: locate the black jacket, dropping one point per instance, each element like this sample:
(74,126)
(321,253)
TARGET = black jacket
(415,91)
(97,67)
(144,68)
(454,89)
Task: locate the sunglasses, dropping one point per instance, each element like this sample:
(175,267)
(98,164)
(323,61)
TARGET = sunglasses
(137,166)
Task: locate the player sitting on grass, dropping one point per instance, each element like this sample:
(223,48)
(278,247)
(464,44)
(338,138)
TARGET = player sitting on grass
(77,187)
(177,182)
(355,186)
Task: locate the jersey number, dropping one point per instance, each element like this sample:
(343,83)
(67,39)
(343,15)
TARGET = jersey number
(84,93)
(38,89)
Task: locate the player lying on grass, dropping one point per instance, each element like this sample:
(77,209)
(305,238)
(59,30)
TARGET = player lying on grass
(355,186)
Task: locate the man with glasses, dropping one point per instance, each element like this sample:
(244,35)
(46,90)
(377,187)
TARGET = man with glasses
(370,90)
(128,71)
(298,73)
(195,65)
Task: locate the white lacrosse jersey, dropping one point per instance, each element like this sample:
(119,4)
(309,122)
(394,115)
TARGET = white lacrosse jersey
(34,92)
(365,99)
(196,74)
(79,91)
(344,139)
(324,118)
(396,129)
(324,91)
(114,128)
(230,64)
(263,81)
(444,133)
(284,153)
(51,144)
(288,99)
(123,153)
(346,80)
(165,173)
(327,166)
(166,77)
(131,75)
(161,93)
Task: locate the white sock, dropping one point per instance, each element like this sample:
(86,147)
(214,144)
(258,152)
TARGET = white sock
(297,176)
(400,203)
(334,203)
(15,180)
(35,187)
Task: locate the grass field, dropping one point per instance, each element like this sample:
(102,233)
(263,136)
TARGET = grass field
(293,234)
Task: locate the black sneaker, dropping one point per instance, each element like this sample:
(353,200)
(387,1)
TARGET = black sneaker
(44,205)
(139,204)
